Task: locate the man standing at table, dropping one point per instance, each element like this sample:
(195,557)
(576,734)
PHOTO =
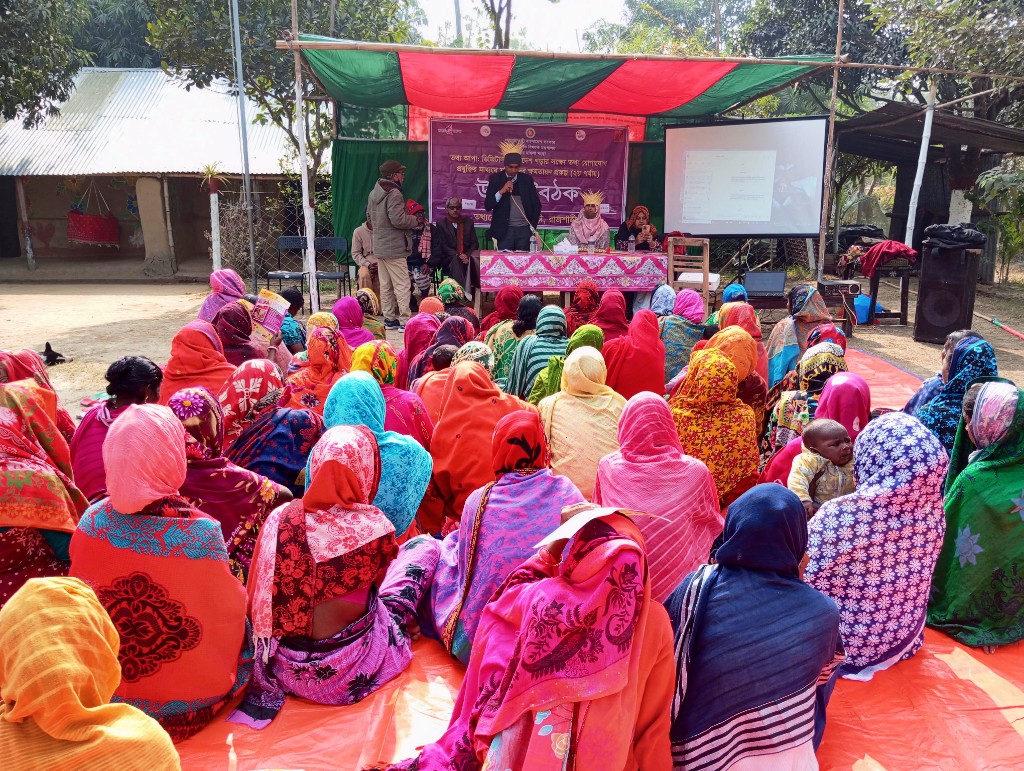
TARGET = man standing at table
(589,226)
(455,250)
(512,197)
(392,242)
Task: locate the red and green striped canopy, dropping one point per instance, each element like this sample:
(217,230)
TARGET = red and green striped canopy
(448,82)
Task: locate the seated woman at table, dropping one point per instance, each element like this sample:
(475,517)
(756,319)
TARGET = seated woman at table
(975,597)
(589,228)
(645,235)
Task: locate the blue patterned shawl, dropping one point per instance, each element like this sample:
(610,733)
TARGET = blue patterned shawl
(356,400)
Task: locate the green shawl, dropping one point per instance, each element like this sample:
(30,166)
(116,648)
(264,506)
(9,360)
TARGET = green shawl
(549,381)
(977,593)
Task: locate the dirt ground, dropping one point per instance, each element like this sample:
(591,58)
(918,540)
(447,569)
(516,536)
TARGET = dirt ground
(96,323)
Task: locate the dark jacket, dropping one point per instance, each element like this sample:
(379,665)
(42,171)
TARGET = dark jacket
(442,248)
(524,188)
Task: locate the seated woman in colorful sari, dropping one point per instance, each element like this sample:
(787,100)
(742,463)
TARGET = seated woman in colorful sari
(571,666)
(743,315)
(938,404)
(59,669)
(349,314)
(680,331)
(977,597)
(130,380)
(756,648)
(419,332)
(39,503)
(329,359)
(234,328)
(471,407)
(227,287)
(549,381)
(532,354)
(846,399)
(636,361)
(734,293)
(874,551)
(406,414)
(715,426)
(451,294)
(249,383)
(611,315)
(504,337)
(500,524)
(357,400)
(454,330)
(331,595)
(583,306)
(506,308)
(197,359)
(581,421)
(430,387)
(146,550)
(313,323)
(275,441)
(788,339)
(238,498)
(651,473)
(370,304)
(795,409)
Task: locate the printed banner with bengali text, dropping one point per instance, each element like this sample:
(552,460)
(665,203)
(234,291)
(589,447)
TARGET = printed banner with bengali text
(565,160)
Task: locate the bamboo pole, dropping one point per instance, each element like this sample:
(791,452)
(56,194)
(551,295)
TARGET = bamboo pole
(819,62)
(830,147)
(309,218)
(922,161)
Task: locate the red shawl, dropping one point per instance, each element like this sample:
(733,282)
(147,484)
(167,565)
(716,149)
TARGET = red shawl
(611,315)
(197,359)
(506,305)
(636,362)
(583,307)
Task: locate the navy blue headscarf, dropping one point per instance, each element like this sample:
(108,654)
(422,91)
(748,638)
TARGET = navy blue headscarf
(750,632)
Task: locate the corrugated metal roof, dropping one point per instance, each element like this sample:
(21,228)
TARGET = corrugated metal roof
(140,121)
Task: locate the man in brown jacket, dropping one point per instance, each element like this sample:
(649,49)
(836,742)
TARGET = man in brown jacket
(392,242)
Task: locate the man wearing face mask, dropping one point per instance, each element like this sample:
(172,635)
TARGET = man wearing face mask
(513,199)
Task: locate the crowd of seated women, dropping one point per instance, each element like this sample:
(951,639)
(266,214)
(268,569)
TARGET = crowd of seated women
(740,526)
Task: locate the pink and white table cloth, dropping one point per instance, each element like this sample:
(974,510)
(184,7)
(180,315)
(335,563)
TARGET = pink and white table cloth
(640,271)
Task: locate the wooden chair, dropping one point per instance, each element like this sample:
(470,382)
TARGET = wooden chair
(692,271)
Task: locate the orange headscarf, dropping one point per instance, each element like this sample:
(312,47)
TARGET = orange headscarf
(743,315)
(641,209)
(714,425)
(741,349)
(329,358)
(471,407)
(197,359)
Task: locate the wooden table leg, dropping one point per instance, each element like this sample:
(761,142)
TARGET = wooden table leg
(904,296)
(874,297)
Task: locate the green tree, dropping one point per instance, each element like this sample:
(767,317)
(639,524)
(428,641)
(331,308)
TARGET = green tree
(40,57)
(693,27)
(795,27)
(116,34)
(194,40)
(499,15)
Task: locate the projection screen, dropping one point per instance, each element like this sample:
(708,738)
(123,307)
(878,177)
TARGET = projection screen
(749,178)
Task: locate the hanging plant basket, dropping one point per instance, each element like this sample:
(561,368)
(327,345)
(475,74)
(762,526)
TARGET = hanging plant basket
(93,229)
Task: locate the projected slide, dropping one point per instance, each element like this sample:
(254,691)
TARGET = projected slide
(755,178)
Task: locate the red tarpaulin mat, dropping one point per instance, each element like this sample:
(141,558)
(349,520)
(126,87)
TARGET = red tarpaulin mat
(948,707)
(890,386)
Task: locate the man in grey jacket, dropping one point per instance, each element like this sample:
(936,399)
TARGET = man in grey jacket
(392,242)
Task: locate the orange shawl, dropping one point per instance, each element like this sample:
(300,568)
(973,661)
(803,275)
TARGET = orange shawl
(430,388)
(743,315)
(197,359)
(471,407)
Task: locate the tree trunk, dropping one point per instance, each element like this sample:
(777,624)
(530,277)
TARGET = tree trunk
(960,209)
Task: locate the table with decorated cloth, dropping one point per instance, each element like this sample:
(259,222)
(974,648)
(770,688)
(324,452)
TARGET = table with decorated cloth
(548,272)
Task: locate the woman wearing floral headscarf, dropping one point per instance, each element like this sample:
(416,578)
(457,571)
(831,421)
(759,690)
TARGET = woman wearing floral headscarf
(329,358)
(639,226)
(500,524)
(370,304)
(714,425)
(795,409)
(455,303)
(743,315)
(239,499)
(788,339)
(977,596)
(583,307)
(333,597)
(405,411)
(874,551)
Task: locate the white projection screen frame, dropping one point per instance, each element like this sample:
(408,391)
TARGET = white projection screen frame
(760,178)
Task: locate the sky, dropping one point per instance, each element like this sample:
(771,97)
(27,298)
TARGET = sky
(550,26)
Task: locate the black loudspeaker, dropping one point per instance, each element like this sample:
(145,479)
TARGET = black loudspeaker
(945,296)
